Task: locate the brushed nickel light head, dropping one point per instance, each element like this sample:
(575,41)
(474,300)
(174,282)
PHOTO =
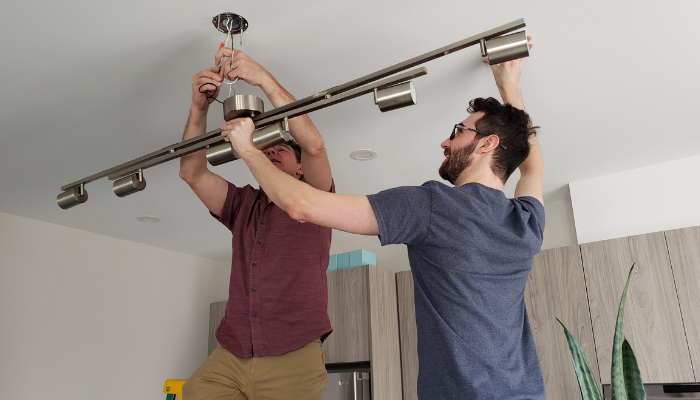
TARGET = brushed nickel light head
(394,97)
(129,184)
(505,48)
(268,136)
(72,197)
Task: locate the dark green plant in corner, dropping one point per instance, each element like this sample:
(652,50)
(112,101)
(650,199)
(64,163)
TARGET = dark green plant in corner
(626,380)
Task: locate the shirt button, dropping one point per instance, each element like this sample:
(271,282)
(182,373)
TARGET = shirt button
(255,315)
(255,290)
(255,264)
(258,242)
(262,223)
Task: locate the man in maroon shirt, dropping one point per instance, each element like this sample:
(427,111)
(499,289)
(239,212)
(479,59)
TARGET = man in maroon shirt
(276,314)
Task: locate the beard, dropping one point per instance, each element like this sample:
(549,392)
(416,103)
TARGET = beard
(457,162)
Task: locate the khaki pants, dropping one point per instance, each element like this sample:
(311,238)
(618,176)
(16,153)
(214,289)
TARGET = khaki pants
(299,375)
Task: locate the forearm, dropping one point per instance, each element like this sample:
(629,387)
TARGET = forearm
(531,180)
(513,96)
(193,165)
(285,191)
(346,212)
(301,128)
(534,163)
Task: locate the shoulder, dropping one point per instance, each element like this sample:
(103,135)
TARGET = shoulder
(404,192)
(530,209)
(529,203)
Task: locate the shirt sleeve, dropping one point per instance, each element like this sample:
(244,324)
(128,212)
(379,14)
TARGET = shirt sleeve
(234,196)
(534,214)
(403,214)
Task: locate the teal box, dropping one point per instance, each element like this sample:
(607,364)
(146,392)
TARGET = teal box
(362,257)
(343,260)
(332,263)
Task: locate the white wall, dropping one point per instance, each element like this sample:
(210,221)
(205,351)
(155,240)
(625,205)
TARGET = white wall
(650,199)
(86,316)
(559,228)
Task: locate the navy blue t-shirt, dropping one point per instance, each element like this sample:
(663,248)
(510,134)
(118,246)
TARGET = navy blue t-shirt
(470,250)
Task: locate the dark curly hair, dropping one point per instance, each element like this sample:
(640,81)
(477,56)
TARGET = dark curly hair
(513,128)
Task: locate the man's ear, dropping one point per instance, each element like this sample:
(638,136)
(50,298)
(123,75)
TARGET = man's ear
(489,144)
(300,170)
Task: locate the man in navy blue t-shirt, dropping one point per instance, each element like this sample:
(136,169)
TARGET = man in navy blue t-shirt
(470,247)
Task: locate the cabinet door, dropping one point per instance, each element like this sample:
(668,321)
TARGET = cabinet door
(363,312)
(556,289)
(348,310)
(684,251)
(408,334)
(652,324)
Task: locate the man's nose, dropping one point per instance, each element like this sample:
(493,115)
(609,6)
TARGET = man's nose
(269,151)
(445,144)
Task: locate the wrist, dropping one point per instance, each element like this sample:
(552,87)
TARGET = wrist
(247,151)
(198,110)
(509,89)
(268,83)
(277,95)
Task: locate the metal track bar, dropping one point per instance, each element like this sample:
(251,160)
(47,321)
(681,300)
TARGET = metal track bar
(169,149)
(265,119)
(214,137)
(443,51)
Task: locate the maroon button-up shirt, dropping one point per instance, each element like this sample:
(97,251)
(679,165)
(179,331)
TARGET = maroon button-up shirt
(278,292)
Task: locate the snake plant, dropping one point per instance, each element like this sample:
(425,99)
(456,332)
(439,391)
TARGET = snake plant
(626,380)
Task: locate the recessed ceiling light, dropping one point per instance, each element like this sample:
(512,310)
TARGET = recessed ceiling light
(148,218)
(363,154)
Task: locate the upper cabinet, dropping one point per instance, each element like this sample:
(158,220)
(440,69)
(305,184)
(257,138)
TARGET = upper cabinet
(684,251)
(556,289)
(653,323)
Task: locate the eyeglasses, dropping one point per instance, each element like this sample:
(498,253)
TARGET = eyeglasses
(461,128)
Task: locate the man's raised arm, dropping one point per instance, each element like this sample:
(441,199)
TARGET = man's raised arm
(314,160)
(507,77)
(209,187)
(345,212)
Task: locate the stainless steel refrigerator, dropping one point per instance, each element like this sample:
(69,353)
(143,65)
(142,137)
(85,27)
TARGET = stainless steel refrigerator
(347,386)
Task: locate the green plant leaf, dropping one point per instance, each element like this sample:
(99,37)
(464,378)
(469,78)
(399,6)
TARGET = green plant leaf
(633,377)
(617,384)
(586,379)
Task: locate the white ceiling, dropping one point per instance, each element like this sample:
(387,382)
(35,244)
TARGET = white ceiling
(88,85)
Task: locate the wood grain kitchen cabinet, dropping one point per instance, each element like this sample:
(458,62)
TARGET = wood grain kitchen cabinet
(408,334)
(653,323)
(556,289)
(363,313)
(684,252)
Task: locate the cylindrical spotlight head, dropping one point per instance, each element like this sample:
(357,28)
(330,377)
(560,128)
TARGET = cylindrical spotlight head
(271,136)
(221,153)
(397,96)
(71,198)
(507,48)
(242,106)
(128,185)
(263,138)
